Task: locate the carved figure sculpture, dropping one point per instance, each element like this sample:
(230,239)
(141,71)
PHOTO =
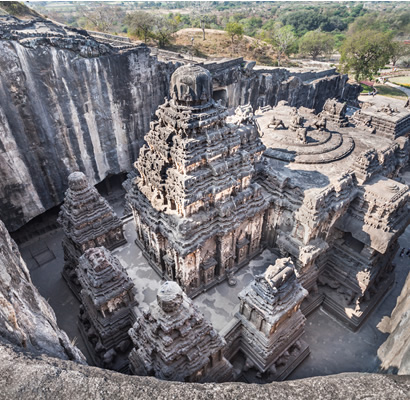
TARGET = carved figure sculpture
(296,121)
(301,134)
(276,123)
(320,123)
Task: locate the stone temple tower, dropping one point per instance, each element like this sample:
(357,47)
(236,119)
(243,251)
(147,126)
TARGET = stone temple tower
(106,315)
(87,221)
(174,342)
(272,323)
(197,209)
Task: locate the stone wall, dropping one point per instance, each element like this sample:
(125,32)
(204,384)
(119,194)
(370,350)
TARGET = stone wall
(394,353)
(26,319)
(60,112)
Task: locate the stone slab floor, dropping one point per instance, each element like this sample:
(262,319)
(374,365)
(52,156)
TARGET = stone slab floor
(334,348)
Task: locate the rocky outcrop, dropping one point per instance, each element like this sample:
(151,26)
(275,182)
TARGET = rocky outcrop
(69,102)
(237,82)
(26,319)
(394,353)
(22,376)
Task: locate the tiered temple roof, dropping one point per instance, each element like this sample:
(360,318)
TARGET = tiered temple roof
(175,342)
(272,323)
(87,218)
(107,297)
(87,221)
(196,177)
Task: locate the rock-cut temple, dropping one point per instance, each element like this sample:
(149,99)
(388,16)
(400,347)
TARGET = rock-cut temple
(197,207)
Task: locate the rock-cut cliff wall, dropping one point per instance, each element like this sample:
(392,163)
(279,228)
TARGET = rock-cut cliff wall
(60,112)
(26,319)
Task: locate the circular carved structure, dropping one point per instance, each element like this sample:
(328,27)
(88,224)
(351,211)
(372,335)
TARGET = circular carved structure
(77,181)
(191,85)
(170,297)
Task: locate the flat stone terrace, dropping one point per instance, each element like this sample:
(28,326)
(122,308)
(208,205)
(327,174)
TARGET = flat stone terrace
(334,348)
(326,154)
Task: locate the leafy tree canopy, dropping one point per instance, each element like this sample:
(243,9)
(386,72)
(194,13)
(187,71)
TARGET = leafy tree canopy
(316,43)
(365,52)
(234,29)
(140,23)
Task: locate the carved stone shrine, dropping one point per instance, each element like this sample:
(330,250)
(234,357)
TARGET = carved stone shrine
(106,314)
(87,221)
(272,323)
(197,207)
(173,341)
(337,203)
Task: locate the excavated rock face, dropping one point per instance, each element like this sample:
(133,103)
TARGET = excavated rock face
(69,102)
(394,353)
(61,112)
(21,376)
(26,319)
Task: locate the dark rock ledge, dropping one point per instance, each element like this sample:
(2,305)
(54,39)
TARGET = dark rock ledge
(26,377)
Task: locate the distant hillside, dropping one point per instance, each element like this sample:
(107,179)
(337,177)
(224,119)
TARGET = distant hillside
(17,9)
(218,44)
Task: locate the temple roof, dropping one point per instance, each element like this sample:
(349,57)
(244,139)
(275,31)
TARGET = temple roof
(102,276)
(191,85)
(85,215)
(174,336)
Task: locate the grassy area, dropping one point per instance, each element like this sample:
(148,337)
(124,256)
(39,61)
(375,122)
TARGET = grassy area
(389,91)
(401,80)
(366,88)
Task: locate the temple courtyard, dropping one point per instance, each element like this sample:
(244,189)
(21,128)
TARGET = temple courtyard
(334,348)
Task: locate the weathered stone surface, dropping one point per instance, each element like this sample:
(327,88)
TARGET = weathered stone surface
(60,112)
(271,323)
(386,120)
(197,207)
(64,109)
(87,221)
(26,319)
(337,203)
(394,353)
(106,315)
(22,376)
(173,341)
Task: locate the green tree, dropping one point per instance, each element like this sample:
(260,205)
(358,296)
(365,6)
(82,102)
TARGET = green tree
(234,29)
(398,50)
(251,25)
(163,29)
(282,38)
(316,43)
(140,23)
(365,52)
(202,16)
